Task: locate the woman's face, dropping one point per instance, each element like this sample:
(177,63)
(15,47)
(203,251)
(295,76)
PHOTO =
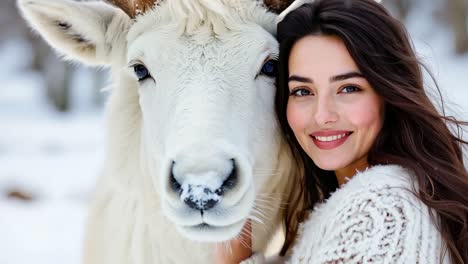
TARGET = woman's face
(333,111)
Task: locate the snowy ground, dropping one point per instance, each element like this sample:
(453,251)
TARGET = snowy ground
(56,157)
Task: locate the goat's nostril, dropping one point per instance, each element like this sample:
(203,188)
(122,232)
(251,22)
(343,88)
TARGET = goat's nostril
(175,185)
(210,204)
(191,203)
(220,191)
(231,181)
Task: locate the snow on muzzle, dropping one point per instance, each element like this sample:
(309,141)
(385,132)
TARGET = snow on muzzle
(202,191)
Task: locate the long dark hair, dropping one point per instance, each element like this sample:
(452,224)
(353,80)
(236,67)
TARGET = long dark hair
(414,134)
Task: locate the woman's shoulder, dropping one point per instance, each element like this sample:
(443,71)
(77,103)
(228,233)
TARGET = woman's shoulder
(376,187)
(378,183)
(377,193)
(375,216)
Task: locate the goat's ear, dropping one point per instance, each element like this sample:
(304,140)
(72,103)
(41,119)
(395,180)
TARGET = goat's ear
(83,31)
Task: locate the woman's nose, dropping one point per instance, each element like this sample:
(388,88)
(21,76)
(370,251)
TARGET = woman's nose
(325,111)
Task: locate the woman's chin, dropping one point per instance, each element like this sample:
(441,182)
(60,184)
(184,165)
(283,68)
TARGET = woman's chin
(329,166)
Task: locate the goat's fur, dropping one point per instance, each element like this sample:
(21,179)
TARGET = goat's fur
(206,102)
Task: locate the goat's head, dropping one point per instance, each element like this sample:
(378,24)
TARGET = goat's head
(203,72)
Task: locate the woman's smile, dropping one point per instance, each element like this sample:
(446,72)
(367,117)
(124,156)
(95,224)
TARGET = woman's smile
(330,139)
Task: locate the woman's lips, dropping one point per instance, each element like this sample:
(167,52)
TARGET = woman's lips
(329,139)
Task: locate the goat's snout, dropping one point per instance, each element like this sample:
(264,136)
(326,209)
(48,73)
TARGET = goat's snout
(202,191)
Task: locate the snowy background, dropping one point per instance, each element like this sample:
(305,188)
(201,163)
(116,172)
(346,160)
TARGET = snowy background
(49,159)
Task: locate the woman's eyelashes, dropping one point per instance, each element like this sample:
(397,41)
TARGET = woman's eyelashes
(304,91)
(300,91)
(350,88)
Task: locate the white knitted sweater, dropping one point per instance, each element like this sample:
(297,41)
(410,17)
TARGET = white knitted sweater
(373,218)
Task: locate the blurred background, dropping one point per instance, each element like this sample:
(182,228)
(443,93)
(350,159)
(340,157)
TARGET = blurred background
(52,132)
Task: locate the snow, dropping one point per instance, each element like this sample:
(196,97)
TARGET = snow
(56,157)
(53,157)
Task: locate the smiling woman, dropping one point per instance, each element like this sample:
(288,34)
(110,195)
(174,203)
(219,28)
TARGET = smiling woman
(376,152)
(333,111)
(384,179)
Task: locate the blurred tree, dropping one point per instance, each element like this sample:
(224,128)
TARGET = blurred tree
(11,24)
(452,12)
(398,8)
(57,73)
(403,7)
(458,17)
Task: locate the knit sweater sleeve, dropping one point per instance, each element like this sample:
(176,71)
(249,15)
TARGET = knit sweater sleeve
(385,225)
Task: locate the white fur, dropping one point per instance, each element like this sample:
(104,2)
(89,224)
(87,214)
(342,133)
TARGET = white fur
(296,4)
(206,104)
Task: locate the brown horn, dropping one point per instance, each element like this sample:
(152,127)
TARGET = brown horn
(133,7)
(277,6)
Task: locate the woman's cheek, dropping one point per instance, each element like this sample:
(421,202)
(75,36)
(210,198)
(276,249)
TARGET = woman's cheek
(296,117)
(368,113)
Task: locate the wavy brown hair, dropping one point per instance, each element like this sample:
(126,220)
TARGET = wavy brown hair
(414,135)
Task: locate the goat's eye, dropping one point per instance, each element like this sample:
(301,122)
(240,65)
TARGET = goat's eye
(141,72)
(270,68)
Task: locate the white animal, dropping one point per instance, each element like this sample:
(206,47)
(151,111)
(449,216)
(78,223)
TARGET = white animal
(194,149)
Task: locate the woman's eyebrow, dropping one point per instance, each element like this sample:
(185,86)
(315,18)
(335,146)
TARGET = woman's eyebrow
(298,78)
(345,76)
(335,78)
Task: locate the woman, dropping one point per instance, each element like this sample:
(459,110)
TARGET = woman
(384,179)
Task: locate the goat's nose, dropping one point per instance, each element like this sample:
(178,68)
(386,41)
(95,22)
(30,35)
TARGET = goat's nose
(202,191)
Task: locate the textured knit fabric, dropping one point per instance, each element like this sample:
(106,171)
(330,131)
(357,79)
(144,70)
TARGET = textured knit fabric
(373,218)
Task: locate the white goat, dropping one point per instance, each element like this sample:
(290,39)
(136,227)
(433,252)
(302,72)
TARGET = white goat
(194,149)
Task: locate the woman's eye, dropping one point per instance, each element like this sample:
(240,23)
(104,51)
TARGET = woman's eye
(141,72)
(300,92)
(350,89)
(270,68)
